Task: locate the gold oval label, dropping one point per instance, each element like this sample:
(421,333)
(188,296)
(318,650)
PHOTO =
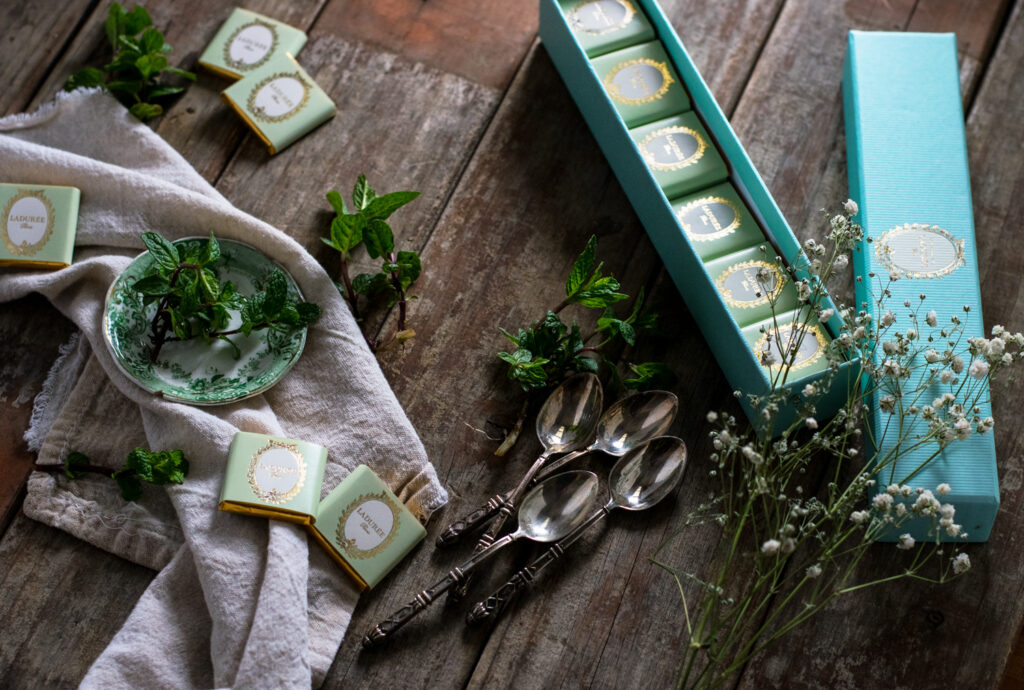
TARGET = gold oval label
(672,148)
(741,286)
(808,342)
(709,218)
(250,45)
(27,222)
(367,526)
(277,472)
(916,250)
(278,97)
(639,81)
(598,17)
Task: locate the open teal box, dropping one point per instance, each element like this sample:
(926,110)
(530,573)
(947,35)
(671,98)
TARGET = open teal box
(907,161)
(731,349)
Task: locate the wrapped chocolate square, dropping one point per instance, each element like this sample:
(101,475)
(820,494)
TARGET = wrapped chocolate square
(247,41)
(602,26)
(273,477)
(789,336)
(642,83)
(37,228)
(680,154)
(280,102)
(753,284)
(717,221)
(365,528)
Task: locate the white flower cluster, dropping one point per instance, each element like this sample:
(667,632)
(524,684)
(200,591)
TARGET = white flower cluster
(888,507)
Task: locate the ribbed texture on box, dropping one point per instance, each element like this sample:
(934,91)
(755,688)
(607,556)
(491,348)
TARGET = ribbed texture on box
(907,160)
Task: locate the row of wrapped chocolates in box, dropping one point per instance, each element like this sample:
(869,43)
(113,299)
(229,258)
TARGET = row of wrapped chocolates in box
(684,160)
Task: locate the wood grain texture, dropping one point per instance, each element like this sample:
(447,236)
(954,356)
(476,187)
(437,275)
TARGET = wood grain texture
(513,185)
(33,38)
(58,616)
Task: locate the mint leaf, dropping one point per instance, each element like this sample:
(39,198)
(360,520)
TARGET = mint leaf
(276,294)
(85,78)
(409,267)
(649,374)
(211,252)
(383,206)
(582,268)
(347,232)
(599,293)
(131,487)
(145,111)
(378,238)
(362,194)
(75,458)
(164,253)
(337,202)
(154,285)
(308,312)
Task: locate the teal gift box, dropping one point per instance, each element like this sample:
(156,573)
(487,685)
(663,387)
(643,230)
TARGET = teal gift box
(681,257)
(907,161)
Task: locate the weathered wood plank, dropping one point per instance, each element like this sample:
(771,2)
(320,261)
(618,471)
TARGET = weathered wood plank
(57,615)
(34,35)
(968,624)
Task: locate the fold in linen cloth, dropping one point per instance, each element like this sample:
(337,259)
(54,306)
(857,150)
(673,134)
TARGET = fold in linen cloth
(238,601)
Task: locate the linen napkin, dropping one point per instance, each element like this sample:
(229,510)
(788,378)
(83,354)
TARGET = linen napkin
(238,601)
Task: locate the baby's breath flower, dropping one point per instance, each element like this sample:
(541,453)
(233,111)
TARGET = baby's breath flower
(962,428)
(961,563)
(931,318)
(985,425)
(811,423)
(882,502)
(979,369)
(931,356)
(887,403)
(850,207)
(841,262)
(770,547)
(957,364)
(905,543)
(826,314)
(888,319)
(860,516)
(813,572)
(810,390)
(712,417)
(946,376)
(942,489)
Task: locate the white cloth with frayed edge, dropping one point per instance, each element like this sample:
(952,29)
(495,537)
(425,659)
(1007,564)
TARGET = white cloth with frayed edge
(238,601)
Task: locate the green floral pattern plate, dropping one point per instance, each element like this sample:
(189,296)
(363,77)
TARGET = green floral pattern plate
(195,372)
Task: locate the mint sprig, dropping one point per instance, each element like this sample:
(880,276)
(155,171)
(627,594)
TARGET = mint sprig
(549,350)
(135,74)
(367,225)
(193,303)
(141,466)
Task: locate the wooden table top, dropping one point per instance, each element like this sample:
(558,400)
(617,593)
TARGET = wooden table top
(458,99)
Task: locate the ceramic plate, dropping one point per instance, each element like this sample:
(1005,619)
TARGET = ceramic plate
(195,372)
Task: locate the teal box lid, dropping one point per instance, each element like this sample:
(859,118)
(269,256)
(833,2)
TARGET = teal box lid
(602,26)
(280,102)
(37,225)
(717,221)
(908,173)
(247,41)
(273,477)
(642,83)
(680,154)
(365,528)
(753,284)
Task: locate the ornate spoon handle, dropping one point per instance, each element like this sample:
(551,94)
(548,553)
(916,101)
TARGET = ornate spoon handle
(383,631)
(453,532)
(493,606)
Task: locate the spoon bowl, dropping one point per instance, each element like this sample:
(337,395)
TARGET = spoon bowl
(570,414)
(647,474)
(559,505)
(635,420)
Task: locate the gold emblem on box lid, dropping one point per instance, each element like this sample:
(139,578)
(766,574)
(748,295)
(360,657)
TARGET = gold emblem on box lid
(277,472)
(918,250)
(270,91)
(601,20)
(237,35)
(810,346)
(27,223)
(675,152)
(741,285)
(629,81)
(706,214)
(368,525)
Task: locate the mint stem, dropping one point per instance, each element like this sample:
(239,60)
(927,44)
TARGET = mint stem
(59,469)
